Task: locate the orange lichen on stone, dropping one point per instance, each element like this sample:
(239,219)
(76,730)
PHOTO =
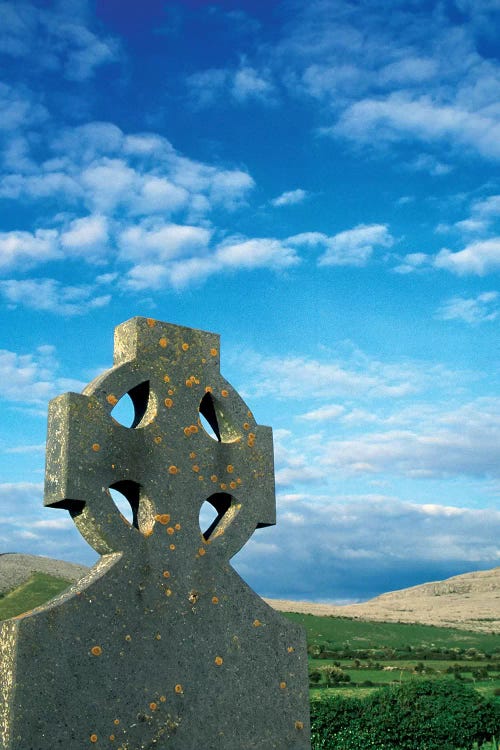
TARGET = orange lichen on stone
(153,706)
(168,403)
(171,391)
(218,660)
(96,650)
(251,439)
(158,439)
(238,479)
(233,485)
(283,685)
(187,431)
(246,426)
(173,469)
(166,574)
(116,722)
(163,342)
(189,384)
(192,455)
(290,649)
(172,547)
(256,623)
(215,599)
(202,552)
(200,478)
(96,447)
(168,592)
(229,468)
(112,737)
(163,698)
(185,347)
(223,486)
(166,378)
(299,725)
(170,530)
(111,399)
(93,737)
(214,477)
(151,323)
(208,389)
(178,689)
(163,518)
(224,393)
(196,468)
(213,352)
(177,527)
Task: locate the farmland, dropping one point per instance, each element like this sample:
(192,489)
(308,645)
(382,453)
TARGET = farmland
(355,657)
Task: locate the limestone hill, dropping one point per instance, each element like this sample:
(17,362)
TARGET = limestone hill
(470,601)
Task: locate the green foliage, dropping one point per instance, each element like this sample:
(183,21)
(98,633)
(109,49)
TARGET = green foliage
(34,592)
(418,715)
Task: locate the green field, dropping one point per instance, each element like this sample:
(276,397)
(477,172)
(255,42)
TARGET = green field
(342,632)
(37,590)
(355,658)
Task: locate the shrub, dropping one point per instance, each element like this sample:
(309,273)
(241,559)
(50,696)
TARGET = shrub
(418,715)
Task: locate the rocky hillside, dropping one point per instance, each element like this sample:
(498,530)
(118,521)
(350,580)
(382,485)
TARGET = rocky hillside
(15,569)
(470,601)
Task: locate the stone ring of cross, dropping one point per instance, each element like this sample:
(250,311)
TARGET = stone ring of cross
(191,440)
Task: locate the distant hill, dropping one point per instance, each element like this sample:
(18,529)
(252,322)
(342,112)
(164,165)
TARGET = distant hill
(16,569)
(470,601)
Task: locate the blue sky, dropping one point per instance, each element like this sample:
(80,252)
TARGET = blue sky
(318,182)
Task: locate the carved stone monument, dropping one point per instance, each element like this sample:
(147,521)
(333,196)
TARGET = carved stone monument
(162,644)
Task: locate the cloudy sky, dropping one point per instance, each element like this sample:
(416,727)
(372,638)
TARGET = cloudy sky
(318,182)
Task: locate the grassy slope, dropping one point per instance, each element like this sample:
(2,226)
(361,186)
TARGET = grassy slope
(37,590)
(341,632)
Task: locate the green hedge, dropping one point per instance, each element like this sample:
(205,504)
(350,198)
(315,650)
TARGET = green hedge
(417,715)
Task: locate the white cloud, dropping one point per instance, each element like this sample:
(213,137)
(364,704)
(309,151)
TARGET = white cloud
(19,108)
(54,39)
(27,377)
(478,258)
(356,375)
(247,84)
(440,444)
(87,236)
(428,163)
(27,249)
(290,198)
(108,182)
(411,262)
(399,115)
(161,242)
(239,255)
(324,413)
(355,246)
(473,310)
(242,84)
(256,253)
(50,295)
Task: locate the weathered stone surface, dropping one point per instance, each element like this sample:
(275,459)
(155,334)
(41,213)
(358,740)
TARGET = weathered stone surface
(161,645)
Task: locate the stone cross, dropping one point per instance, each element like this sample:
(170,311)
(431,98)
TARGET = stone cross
(162,644)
